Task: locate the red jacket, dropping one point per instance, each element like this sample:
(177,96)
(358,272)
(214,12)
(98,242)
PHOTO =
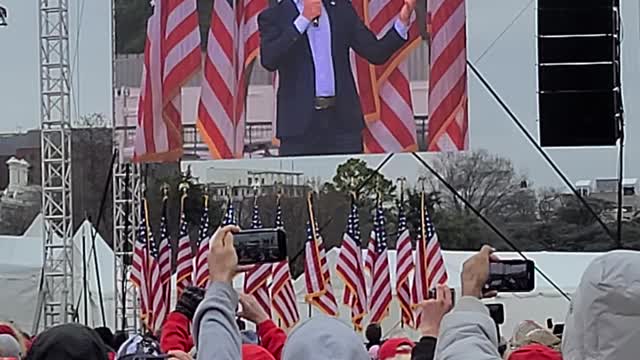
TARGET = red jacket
(176,335)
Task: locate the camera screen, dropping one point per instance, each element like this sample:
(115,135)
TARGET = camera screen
(510,276)
(256,247)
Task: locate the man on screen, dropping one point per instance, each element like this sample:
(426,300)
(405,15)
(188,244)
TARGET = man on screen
(308,43)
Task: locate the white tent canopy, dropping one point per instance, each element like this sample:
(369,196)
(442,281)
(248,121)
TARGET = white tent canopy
(21,261)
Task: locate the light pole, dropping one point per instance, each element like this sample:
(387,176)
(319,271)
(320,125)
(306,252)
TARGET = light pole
(3,16)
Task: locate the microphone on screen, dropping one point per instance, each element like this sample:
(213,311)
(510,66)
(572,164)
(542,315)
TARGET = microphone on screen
(316,21)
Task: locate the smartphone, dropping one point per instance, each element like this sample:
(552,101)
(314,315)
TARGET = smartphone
(511,276)
(496,311)
(558,330)
(432,295)
(260,246)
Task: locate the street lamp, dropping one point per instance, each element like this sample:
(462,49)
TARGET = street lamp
(3,16)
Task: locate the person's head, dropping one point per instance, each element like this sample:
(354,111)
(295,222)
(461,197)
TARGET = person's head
(118,339)
(9,347)
(604,316)
(9,329)
(70,342)
(373,334)
(321,338)
(396,349)
(106,335)
(535,352)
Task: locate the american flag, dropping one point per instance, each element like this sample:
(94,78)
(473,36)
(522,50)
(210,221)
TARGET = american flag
(349,268)
(171,58)
(164,256)
(380,294)
(255,280)
(232,47)
(384,90)
(448,118)
(371,252)
(404,266)
(283,296)
(160,308)
(140,267)
(316,274)
(430,269)
(184,261)
(201,276)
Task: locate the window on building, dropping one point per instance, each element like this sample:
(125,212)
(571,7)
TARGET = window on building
(628,191)
(250,181)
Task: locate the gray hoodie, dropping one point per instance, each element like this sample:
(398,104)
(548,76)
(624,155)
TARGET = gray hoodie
(604,320)
(324,338)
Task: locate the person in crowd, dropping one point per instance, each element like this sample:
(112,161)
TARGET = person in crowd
(308,42)
(532,333)
(373,352)
(535,352)
(270,336)
(468,330)
(175,331)
(396,349)
(9,347)
(604,318)
(217,335)
(11,331)
(68,342)
(118,339)
(432,310)
(373,333)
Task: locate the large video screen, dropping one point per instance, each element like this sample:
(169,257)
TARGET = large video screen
(225,79)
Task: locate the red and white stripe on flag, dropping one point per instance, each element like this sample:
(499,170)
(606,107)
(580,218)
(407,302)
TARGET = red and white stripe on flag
(184,260)
(255,283)
(283,296)
(394,128)
(404,267)
(317,278)
(171,58)
(233,45)
(448,102)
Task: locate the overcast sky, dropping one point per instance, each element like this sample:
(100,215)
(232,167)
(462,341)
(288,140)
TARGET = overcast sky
(509,66)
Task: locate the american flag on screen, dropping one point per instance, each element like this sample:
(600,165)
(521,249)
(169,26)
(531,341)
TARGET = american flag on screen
(404,267)
(164,255)
(380,293)
(233,45)
(184,261)
(171,58)
(429,268)
(201,276)
(316,270)
(349,268)
(283,296)
(448,117)
(255,280)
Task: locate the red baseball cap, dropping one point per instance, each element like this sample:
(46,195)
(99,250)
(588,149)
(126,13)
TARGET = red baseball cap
(389,348)
(255,352)
(535,352)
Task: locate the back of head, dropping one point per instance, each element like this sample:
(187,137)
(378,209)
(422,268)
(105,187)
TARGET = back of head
(535,352)
(68,342)
(603,321)
(322,338)
(373,333)
(396,349)
(118,339)
(106,335)
(255,352)
(9,347)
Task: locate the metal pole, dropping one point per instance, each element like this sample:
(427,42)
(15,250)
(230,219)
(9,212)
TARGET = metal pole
(85,295)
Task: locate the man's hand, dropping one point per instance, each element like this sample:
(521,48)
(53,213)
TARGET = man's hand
(251,310)
(223,260)
(433,310)
(313,9)
(406,11)
(475,273)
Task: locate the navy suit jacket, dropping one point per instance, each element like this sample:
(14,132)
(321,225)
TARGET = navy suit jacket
(284,49)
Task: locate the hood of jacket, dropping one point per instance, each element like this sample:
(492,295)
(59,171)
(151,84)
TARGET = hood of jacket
(322,338)
(604,318)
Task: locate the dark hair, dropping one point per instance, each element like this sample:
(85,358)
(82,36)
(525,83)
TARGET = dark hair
(106,335)
(118,339)
(373,334)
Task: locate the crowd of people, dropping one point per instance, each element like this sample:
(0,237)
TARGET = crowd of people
(603,324)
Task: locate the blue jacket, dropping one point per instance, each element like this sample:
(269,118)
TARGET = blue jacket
(284,49)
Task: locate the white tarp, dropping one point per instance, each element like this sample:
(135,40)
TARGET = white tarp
(21,260)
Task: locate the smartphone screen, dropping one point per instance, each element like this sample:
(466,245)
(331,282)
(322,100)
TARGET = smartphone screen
(260,246)
(511,276)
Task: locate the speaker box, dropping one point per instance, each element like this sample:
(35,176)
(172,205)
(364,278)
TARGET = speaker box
(578,72)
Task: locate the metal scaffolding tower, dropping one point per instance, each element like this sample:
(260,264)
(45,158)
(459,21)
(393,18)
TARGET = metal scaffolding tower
(55,126)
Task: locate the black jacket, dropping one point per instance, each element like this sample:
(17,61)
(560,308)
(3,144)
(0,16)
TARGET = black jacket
(425,349)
